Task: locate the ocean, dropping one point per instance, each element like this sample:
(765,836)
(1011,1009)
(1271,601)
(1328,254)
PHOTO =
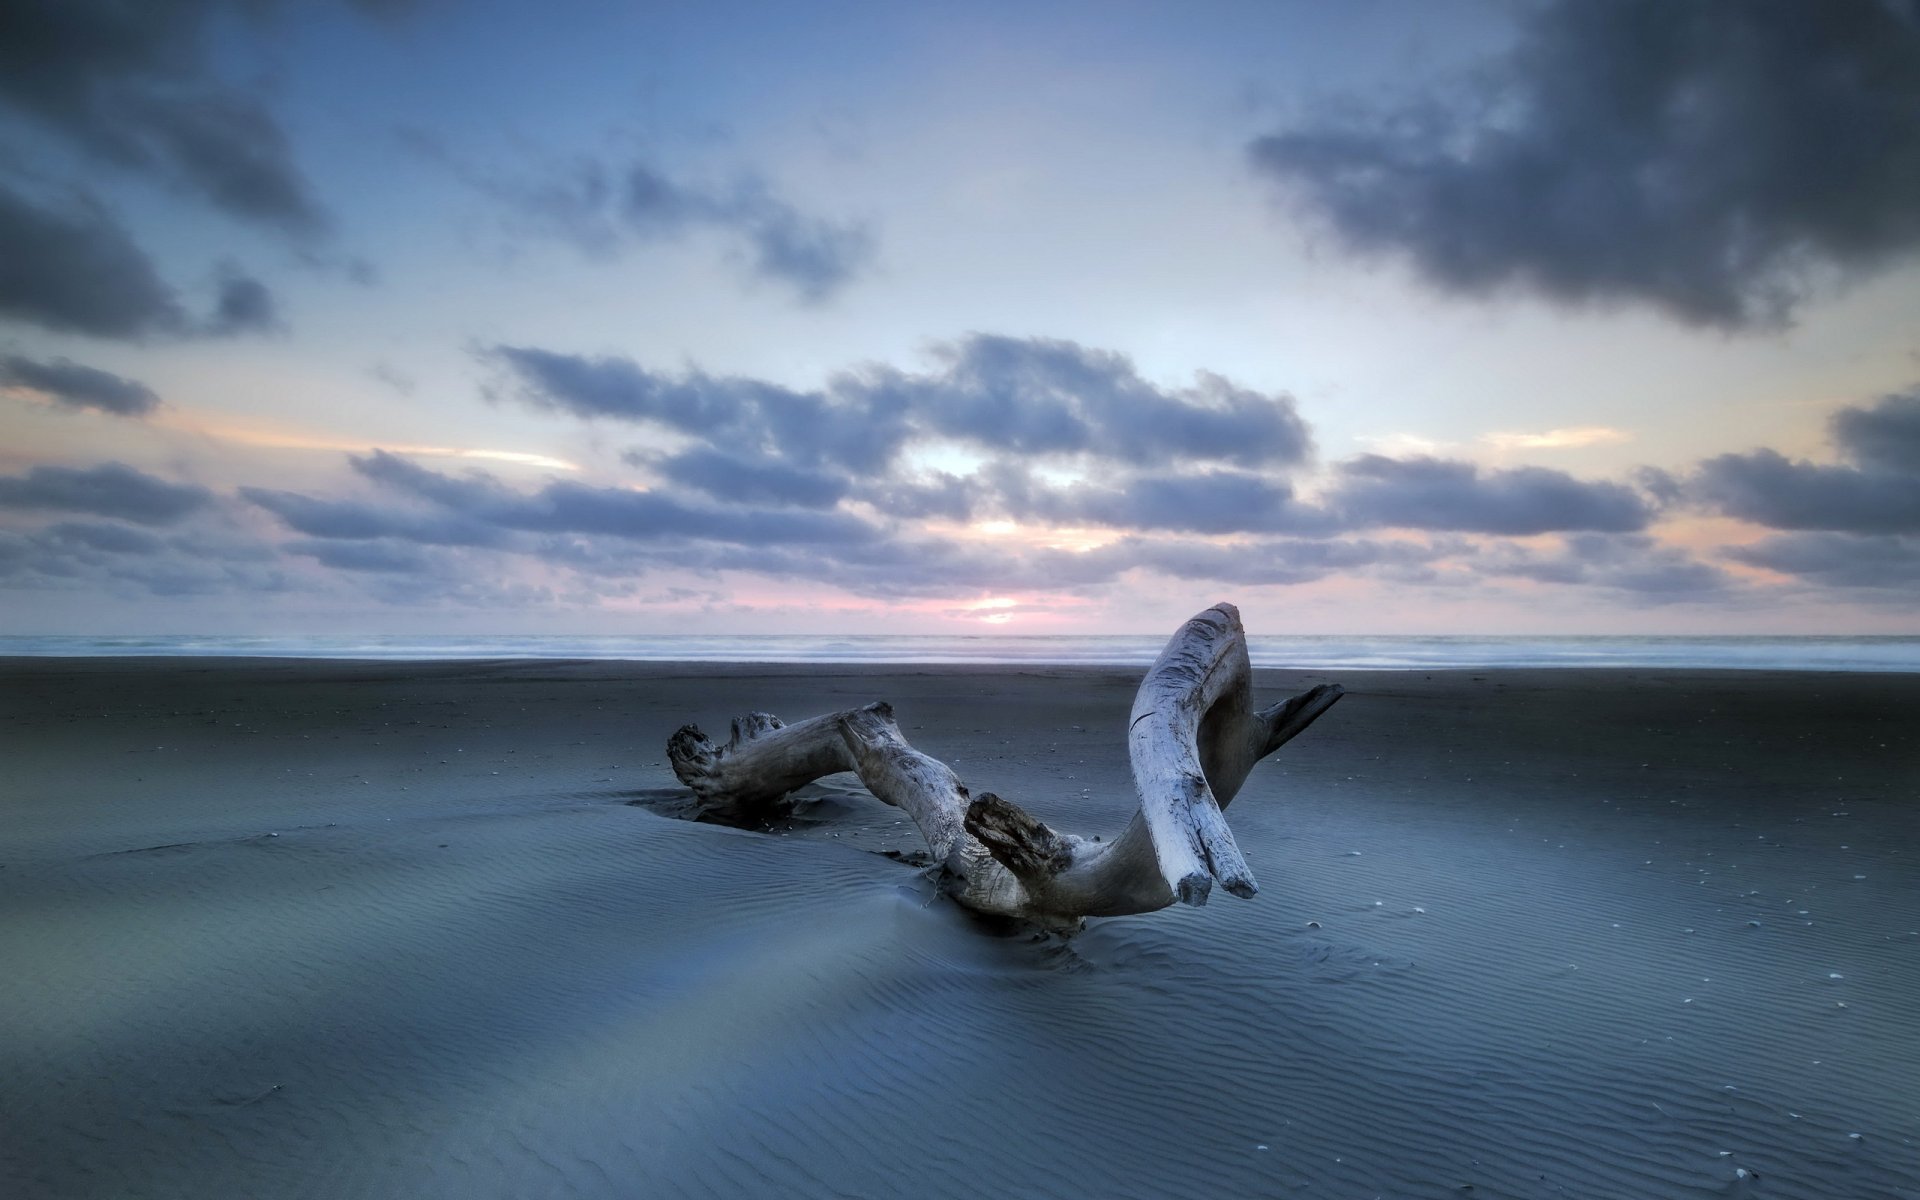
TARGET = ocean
(1309,652)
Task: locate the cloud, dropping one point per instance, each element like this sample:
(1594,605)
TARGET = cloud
(394,378)
(108,490)
(384,557)
(1209,502)
(1839,560)
(1045,396)
(1708,158)
(72,385)
(132,84)
(1274,560)
(616,387)
(741,479)
(1440,494)
(340,519)
(577,508)
(77,271)
(1209,458)
(601,208)
(477,509)
(1885,437)
(1020,396)
(128,561)
(1767,488)
(104,536)
(245,305)
(616,533)
(1879,492)
(816,258)
(1629,563)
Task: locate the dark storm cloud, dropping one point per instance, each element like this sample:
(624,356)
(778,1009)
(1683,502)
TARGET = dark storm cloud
(1431,493)
(72,385)
(601,208)
(1841,560)
(109,490)
(1879,492)
(1024,396)
(131,84)
(76,271)
(1703,157)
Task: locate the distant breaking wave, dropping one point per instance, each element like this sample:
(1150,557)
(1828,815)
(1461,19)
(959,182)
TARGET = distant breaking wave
(1329,652)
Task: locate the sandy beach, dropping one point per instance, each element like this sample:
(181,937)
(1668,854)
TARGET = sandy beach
(401,930)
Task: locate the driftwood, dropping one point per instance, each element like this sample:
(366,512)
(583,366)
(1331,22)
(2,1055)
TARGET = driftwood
(1193,737)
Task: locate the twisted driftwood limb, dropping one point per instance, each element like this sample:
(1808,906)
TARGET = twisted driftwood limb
(1193,738)
(766,759)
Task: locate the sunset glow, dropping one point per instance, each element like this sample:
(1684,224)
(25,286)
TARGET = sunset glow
(1112,310)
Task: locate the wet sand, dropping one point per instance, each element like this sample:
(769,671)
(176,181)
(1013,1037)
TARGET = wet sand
(417,930)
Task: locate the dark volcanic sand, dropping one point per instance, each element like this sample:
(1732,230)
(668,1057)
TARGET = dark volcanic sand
(397,930)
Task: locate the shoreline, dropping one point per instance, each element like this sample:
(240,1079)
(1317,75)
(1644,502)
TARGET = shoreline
(1867,653)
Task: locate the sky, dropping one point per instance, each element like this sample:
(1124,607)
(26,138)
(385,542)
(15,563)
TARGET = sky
(416,316)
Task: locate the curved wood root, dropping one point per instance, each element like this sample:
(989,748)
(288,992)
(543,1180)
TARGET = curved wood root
(1193,738)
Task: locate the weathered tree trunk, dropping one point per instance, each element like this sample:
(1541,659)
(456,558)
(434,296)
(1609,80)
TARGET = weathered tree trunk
(1193,738)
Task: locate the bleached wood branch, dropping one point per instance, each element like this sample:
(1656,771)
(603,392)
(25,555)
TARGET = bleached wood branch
(1192,739)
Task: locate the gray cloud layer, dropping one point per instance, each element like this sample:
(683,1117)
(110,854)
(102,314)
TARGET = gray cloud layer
(820,486)
(1430,493)
(1878,492)
(1855,524)
(1207,459)
(77,271)
(108,490)
(72,269)
(1018,396)
(478,510)
(1629,563)
(1698,156)
(94,556)
(1839,560)
(72,385)
(131,84)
